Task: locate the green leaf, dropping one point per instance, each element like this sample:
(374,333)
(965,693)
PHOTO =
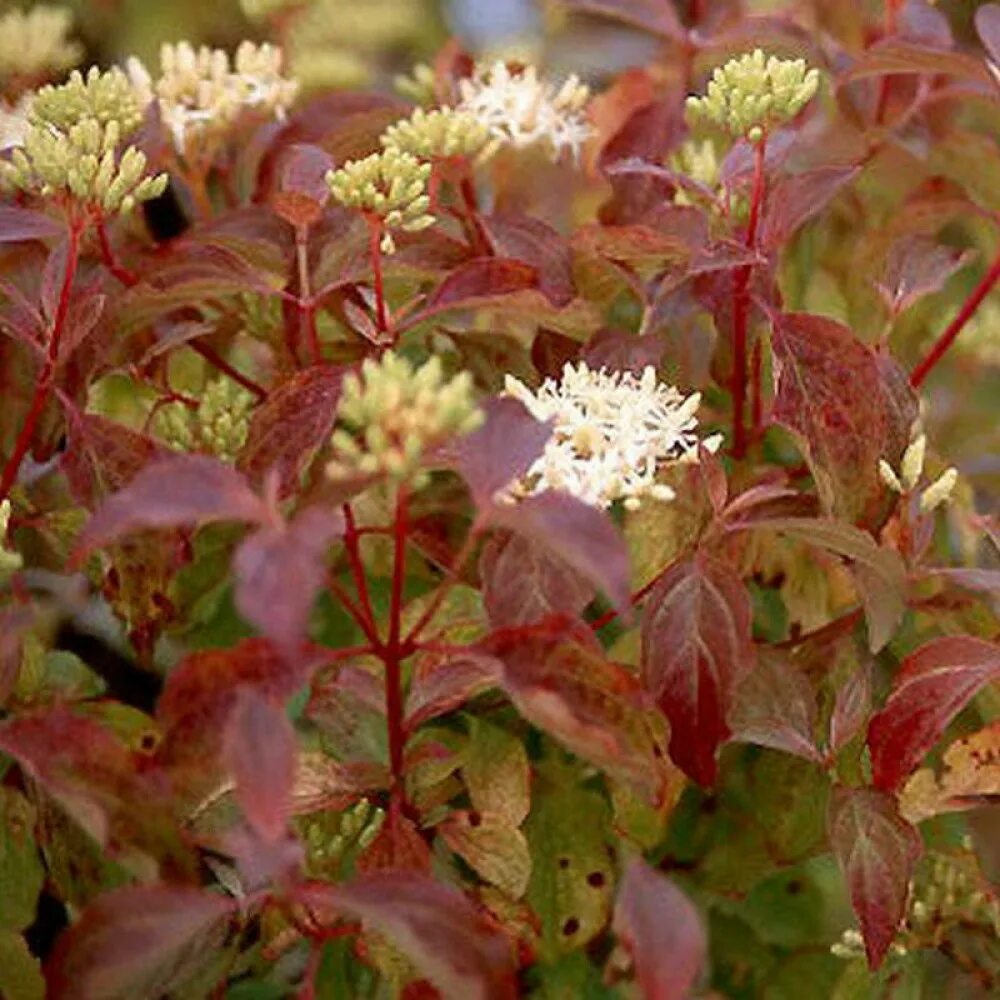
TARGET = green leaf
(21,872)
(20,972)
(497,773)
(571,877)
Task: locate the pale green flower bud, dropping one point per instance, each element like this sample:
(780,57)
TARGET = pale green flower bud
(418,86)
(104,97)
(753,93)
(34,43)
(939,491)
(391,415)
(889,477)
(391,184)
(440,133)
(10,562)
(218,426)
(913,462)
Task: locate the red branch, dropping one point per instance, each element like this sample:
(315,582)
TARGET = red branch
(741,306)
(393,655)
(954,328)
(376,231)
(43,388)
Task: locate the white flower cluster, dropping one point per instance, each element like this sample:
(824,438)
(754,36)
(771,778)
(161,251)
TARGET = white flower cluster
(201,93)
(520,110)
(613,432)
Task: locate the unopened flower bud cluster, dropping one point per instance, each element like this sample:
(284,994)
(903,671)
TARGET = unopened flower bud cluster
(392,413)
(218,426)
(520,110)
(910,471)
(391,185)
(612,433)
(201,93)
(35,43)
(10,562)
(443,132)
(752,93)
(70,148)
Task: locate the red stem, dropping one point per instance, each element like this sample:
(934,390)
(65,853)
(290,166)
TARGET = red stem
(954,328)
(306,303)
(216,360)
(351,536)
(891,21)
(609,616)
(126,276)
(393,655)
(376,230)
(741,304)
(43,388)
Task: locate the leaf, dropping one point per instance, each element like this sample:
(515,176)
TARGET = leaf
(20,973)
(522,583)
(592,706)
(572,873)
(502,450)
(932,686)
(988,29)
(832,396)
(892,56)
(137,941)
(174,491)
(582,536)
(497,773)
(970,777)
(879,571)
(17,224)
(303,191)
(434,925)
(662,931)
(21,871)
(877,851)
(654,16)
(851,709)
(797,198)
(398,847)
(696,647)
(917,266)
(448,685)
(259,750)
(322,783)
(279,570)
(774,706)
(481,280)
(521,237)
(491,845)
(289,427)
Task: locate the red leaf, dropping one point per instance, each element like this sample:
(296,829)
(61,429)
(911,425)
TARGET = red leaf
(833,397)
(448,685)
(259,750)
(303,189)
(584,537)
(523,238)
(796,199)
(278,572)
(662,931)
(481,280)
(988,28)
(877,851)
(696,646)
(501,450)
(523,583)
(851,708)
(136,942)
(18,224)
(434,925)
(933,685)
(292,423)
(174,491)
(774,706)
(655,16)
(917,266)
(893,56)
(398,846)
(596,708)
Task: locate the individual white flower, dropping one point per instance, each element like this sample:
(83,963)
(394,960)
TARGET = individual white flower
(520,110)
(612,433)
(201,93)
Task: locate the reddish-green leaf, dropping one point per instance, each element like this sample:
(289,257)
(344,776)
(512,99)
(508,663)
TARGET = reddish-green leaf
(893,56)
(988,28)
(447,685)
(174,491)
(696,647)
(796,199)
(662,931)
(259,749)
(655,16)
(138,942)
(434,925)
(523,238)
(933,685)
(917,266)
(288,428)
(877,851)
(774,706)
(18,224)
(278,571)
(832,395)
(851,708)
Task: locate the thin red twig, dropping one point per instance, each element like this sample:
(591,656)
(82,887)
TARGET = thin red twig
(393,655)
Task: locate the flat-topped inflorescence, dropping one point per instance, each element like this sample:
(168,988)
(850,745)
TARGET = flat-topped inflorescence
(441,133)
(35,43)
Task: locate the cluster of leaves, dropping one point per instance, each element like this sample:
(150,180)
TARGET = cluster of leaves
(268,733)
